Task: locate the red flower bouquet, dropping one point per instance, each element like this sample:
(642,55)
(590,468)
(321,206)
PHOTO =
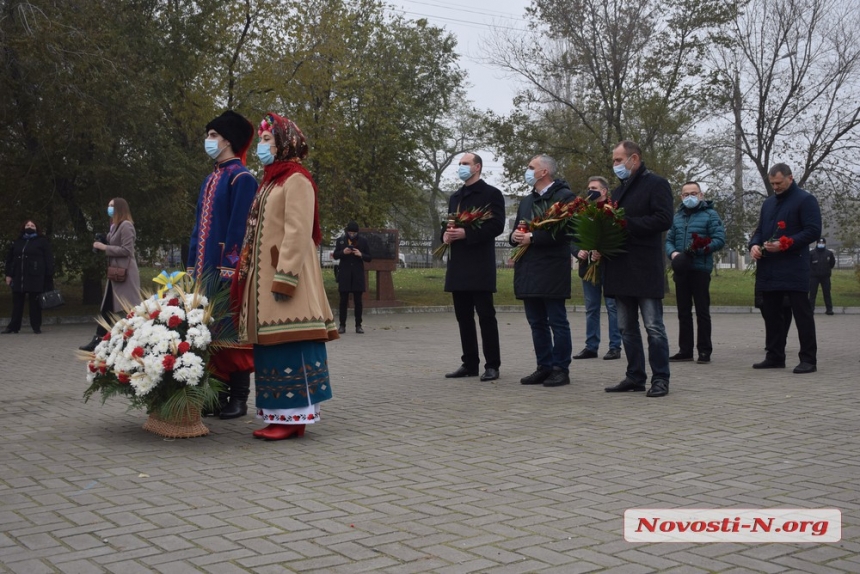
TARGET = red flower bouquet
(600,227)
(559,218)
(472,218)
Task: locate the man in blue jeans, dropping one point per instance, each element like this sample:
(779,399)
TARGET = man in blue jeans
(542,276)
(636,277)
(598,189)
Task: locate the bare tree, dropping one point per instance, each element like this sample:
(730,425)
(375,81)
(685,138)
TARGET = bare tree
(793,66)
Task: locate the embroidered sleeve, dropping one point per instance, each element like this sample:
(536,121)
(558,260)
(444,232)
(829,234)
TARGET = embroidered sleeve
(297,242)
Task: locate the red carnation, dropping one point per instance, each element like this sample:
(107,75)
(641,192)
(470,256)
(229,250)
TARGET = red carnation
(173,302)
(780,224)
(92,367)
(184,347)
(168,362)
(154,315)
(128,333)
(123,378)
(785,242)
(174,322)
(106,337)
(103,369)
(137,352)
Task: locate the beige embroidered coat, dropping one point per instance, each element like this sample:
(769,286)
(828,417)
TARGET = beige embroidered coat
(284,260)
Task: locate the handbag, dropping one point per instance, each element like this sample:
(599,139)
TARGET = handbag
(117,274)
(51,299)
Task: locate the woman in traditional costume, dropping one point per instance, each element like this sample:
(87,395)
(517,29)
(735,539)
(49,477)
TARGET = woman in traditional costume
(284,310)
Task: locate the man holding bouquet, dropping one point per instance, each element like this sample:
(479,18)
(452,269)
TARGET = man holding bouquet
(542,273)
(697,232)
(471,273)
(635,278)
(789,221)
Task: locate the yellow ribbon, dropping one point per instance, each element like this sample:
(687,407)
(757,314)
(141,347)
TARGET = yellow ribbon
(167,280)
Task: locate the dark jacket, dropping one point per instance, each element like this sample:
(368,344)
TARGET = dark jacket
(472,261)
(544,269)
(648,210)
(702,220)
(30,264)
(787,270)
(350,272)
(821,262)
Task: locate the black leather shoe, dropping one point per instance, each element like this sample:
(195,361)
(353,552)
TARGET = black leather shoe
(91,346)
(804,368)
(37,331)
(490,375)
(234,409)
(359,330)
(536,378)
(626,386)
(703,359)
(612,354)
(7,330)
(341,329)
(659,388)
(462,371)
(557,378)
(768,364)
(678,357)
(828,312)
(586,354)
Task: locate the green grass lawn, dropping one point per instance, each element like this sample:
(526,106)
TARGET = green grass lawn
(426,288)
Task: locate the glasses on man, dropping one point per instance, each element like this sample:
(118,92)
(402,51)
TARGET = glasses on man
(690,194)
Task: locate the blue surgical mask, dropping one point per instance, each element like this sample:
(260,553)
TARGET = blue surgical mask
(212,149)
(110,211)
(464,172)
(820,245)
(621,170)
(264,152)
(531,180)
(593,194)
(690,202)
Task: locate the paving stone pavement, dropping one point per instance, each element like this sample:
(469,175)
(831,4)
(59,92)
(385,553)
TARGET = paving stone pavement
(410,472)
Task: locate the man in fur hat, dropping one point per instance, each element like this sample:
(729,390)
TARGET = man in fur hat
(222,212)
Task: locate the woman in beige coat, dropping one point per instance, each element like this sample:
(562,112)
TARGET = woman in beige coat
(119,250)
(284,309)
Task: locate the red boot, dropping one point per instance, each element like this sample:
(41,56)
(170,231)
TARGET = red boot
(259,432)
(281,432)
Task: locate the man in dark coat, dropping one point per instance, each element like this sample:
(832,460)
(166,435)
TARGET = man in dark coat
(542,275)
(352,251)
(471,274)
(789,221)
(636,278)
(821,263)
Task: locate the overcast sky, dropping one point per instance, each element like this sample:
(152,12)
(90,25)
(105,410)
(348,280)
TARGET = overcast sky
(472,22)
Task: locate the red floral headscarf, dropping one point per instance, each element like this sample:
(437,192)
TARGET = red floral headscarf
(292,148)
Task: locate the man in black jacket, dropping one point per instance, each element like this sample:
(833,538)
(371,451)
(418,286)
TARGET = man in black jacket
(636,278)
(821,262)
(471,274)
(352,251)
(542,275)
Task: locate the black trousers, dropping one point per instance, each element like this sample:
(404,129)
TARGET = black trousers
(775,331)
(106,310)
(344,305)
(694,287)
(18,310)
(814,282)
(466,304)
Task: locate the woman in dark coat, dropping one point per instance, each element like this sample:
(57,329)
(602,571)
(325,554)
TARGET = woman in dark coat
(29,271)
(352,251)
